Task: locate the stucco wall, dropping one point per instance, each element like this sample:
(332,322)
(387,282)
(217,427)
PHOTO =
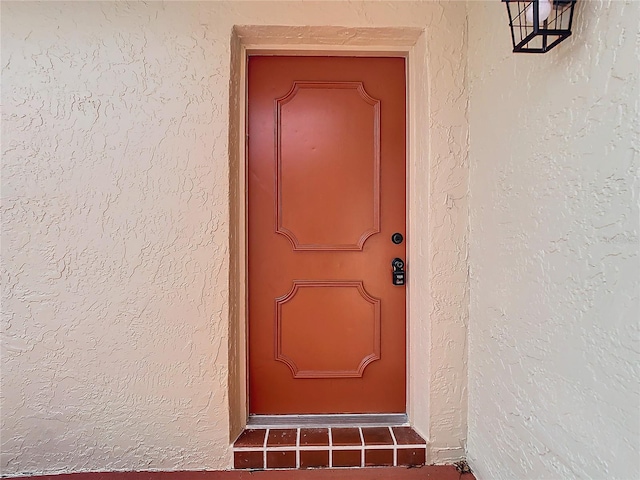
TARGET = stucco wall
(554,311)
(116,225)
(114,237)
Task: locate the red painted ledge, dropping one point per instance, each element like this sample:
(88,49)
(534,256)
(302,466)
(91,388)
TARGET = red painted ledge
(429,472)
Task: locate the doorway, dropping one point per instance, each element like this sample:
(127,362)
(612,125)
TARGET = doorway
(326,180)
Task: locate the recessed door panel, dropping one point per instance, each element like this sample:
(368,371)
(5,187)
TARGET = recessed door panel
(326,192)
(328,138)
(328,329)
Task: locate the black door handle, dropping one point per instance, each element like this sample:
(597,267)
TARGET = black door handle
(398,274)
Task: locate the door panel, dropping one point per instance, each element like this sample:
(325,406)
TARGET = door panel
(328,329)
(326,191)
(321,157)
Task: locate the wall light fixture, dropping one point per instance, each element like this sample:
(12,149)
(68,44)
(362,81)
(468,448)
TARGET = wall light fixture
(539,25)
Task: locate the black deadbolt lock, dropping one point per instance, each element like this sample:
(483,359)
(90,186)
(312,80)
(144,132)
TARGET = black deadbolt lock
(397,238)
(398,275)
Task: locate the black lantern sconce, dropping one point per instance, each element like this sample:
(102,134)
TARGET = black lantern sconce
(539,25)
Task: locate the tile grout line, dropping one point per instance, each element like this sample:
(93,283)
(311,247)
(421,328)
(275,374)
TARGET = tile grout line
(287,448)
(330,448)
(298,448)
(362,447)
(395,447)
(264,449)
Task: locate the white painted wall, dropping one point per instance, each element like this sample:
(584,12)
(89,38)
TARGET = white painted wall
(115,238)
(555,271)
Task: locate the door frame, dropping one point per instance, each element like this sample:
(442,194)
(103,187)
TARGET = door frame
(410,43)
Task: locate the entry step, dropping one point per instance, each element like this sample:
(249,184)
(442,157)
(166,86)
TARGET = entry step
(331,447)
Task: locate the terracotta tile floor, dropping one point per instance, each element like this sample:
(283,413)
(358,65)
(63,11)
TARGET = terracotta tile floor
(301,448)
(431,472)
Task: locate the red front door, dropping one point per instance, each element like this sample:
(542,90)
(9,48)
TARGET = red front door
(326,190)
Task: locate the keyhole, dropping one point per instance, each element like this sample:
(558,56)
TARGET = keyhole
(397,238)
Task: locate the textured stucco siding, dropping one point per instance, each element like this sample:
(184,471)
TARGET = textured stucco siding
(116,227)
(114,238)
(555,269)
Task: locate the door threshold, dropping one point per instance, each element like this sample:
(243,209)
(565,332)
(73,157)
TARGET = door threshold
(336,420)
